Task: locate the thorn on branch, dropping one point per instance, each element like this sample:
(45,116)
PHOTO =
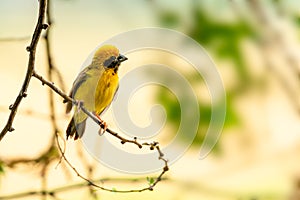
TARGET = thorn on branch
(11,106)
(166,168)
(51,194)
(45,26)
(11,129)
(28,48)
(24,94)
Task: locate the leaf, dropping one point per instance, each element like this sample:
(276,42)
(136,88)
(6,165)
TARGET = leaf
(169,18)
(2,171)
(150,180)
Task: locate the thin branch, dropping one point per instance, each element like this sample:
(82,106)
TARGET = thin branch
(272,37)
(14,39)
(276,38)
(47,156)
(91,183)
(30,68)
(66,188)
(50,66)
(32,113)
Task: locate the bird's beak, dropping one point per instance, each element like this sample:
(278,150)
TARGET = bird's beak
(121,58)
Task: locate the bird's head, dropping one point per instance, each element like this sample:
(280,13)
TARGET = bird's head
(108,56)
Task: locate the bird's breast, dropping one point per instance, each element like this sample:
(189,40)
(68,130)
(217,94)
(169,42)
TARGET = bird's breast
(105,90)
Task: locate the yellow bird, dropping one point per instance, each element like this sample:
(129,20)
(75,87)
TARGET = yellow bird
(95,86)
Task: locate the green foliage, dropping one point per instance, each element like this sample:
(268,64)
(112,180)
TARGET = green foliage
(297,20)
(223,40)
(150,180)
(169,19)
(2,171)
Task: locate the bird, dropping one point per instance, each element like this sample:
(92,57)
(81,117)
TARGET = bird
(95,87)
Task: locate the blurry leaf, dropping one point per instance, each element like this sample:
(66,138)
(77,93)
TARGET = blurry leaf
(232,118)
(171,104)
(297,20)
(2,171)
(222,38)
(150,180)
(173,111)
(169,18)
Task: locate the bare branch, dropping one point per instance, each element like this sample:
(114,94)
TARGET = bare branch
(70,187)
(14,39)
(30,68)
(91,183)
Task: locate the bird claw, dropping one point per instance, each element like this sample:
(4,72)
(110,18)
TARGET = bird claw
(101,130)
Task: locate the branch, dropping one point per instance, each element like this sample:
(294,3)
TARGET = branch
(14,39)
(123,140)
(275,38)
(30,68)
(32,113)
(51,153)
(55,191)
(91,183)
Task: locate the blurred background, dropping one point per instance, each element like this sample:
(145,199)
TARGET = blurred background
(254,44)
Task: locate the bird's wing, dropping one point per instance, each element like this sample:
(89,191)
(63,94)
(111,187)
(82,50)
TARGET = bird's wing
(81,78)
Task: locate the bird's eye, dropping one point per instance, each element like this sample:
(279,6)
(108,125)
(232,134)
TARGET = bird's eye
(110,63)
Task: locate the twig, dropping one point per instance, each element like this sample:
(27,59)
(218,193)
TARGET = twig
(15,39)
(65,188)
(91,183)
(273,37)
(277,37)
(30,68)
(33,113)
(47,156)
(50,66)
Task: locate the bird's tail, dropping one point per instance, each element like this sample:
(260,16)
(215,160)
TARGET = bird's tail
(75,129)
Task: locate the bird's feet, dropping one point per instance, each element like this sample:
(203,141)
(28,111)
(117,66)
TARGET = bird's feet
(101,130)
